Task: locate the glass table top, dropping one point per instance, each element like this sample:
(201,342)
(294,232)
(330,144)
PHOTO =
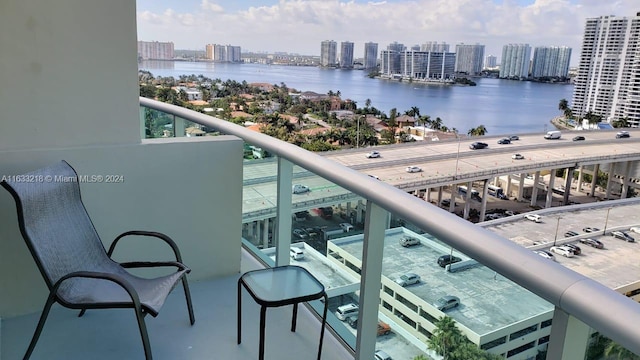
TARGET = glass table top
(282,283)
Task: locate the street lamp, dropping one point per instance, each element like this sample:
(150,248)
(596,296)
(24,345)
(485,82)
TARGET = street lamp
(557,226)
(606,221)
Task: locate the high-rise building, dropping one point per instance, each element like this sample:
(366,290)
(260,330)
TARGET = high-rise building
(551,61)
(608,80)
(419,65)
(370,55)
(328,53)
(515,61)
(434,46)
(223,53)
(154,50)
(491,62)
(469,58)
(390,59)
(346,54)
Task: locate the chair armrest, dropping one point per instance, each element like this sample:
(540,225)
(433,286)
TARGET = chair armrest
(103,276)
(147,264)
(158,235)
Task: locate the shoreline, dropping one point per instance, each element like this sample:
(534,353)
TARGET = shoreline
(559,123)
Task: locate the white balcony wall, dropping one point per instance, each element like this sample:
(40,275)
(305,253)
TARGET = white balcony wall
(69,91)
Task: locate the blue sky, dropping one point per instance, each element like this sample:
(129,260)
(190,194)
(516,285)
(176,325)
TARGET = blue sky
(298,26)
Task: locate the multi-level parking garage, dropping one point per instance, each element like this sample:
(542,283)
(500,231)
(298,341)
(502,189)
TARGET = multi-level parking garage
(453,163)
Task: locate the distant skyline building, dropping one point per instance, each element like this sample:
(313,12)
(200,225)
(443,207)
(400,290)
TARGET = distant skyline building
(155,50)
(390,59)
(328,53)
(434,46)
(419,65)
(370,55)
(469,58)
(608,80)
(223,53)
(551,61)
(515,61)
(491,62)
(346,54)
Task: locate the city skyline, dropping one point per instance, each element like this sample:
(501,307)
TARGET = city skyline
(299,26)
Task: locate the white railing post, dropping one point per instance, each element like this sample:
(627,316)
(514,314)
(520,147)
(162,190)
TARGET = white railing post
(569,337)
(370,277)
(283,212)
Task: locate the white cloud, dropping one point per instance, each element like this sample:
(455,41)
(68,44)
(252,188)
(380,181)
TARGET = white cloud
(210,6)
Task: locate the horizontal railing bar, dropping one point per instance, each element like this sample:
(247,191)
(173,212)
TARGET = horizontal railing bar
(614,315)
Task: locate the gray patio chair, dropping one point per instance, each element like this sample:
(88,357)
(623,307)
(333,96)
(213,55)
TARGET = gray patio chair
(78,271)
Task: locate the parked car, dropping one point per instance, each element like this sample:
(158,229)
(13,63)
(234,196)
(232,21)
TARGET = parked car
(622,236)
(514,137)
(300,233)
(561,251)
(517,157)
(622,134)
(408,279)
(413,169)
(447,202)
(578,138)
(635,229)
(296,253)
(345,311)
(545,254)
(312,231)
(383,328)
(504,141)
(300,189)
(408,241)
(478,145)
(533,217)
(346,227)
(575,248)
(590,229)
(592,242)
(381,355)
(301,216)
(373,154)
(570,233)
(447,302)
(374,176)
(445,260)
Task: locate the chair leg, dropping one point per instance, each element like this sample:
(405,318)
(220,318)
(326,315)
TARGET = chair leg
(187,294)
(82,312)
(43,319)
(143,333)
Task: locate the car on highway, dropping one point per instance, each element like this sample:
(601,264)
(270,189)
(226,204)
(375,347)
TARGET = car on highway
(446,302)
(545,254)
(381,355)
(570,233)
(408,241)
(514,137)
(578,138)
(413,169)
(622,134)
(592,242)
(445,260)
(635,229)
(590,229)
(504,141)
(373,155)
(561,251)
(346,227)
(478,145)
(517,157)
(408,279)
(300,189)
(533,217)
(622,236)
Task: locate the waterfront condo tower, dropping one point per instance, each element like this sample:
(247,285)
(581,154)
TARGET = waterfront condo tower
(346,54)
(515,61)
(154,50)
(551,61)
(491,62)
(328,53)
(608,80)
(223,53)
(469,59)
(370,55)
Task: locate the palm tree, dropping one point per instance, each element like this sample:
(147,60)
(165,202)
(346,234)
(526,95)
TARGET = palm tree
(619,352)
(446,337)
(477,131)
(367,103)
(563,105)
(436,124)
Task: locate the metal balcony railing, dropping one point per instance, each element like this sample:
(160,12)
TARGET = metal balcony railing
(574,296)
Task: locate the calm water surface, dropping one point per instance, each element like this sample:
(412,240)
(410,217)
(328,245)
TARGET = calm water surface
(502,106)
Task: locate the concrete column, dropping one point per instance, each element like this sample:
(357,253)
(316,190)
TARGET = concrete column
(282,234)
(388,222)
(625,181)
(496,181)
(427,195)
(508,189)
(552,180)
(594,179)
(349,210)
(467,200)
(569,337)
(567,185)
(265,233)
(251,228)
(534,193)
(439,195)
(143,129)
(452,200)
(371,275)
(359,211)
(609,179)
(579,185)
(483,206)
(521,187)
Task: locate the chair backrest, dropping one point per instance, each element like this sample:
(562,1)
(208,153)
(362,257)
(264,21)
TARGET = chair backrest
(55,223)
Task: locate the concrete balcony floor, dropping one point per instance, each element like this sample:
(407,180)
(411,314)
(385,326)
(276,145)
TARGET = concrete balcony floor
(113,333)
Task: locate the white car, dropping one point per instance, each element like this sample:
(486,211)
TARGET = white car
(561,250)
(346,227)
(408,279)
(517,157)
(533,217)
(373,154)
(300,189)
(413,169)
(635,229)
(545,254)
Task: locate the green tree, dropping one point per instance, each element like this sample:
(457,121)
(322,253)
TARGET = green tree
(367,103)
(477,131)
(563,105)
(617,351)
(446,337)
